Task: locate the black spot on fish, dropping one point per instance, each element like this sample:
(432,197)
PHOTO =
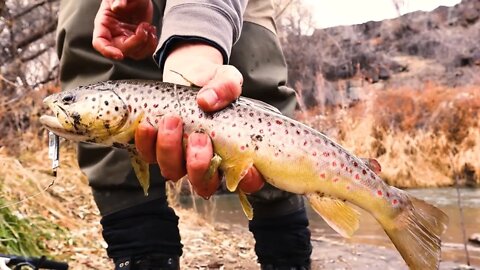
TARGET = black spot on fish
(106,103)
(116,108)
(76,119)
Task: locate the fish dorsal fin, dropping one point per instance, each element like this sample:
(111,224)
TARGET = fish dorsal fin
(258,104)
(246,206)
(338,215)
(373,164)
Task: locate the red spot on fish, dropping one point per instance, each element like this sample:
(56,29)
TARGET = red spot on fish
(318,140)
(269,124)
(242,147)
(388,194)
(156,121)
(326,154)
(364,172)
(333,154)
(314,154)
(357,176)
(278,122)
(145,105)
(355,164)
(348,187)
(334,164)
(394,202)
(305,143)
(212,134)
(129,108)
(155,105)
(335,179)
(286,131)
(379,192)
(342,164)
(322,175)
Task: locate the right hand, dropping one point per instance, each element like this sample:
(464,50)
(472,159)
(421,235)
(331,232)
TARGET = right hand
(123,28)
(221,84)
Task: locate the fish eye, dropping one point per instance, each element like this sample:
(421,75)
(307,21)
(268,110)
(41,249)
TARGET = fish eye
(67,99)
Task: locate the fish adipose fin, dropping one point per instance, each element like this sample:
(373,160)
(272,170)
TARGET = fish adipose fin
(338,215)
(416,234)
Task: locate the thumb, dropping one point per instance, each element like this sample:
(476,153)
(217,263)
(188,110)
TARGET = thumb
(118,5)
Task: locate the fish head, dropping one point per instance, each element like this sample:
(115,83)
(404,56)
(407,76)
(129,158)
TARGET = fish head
(86,114)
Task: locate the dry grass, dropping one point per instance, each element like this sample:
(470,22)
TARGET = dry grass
(422,137)
(68,204)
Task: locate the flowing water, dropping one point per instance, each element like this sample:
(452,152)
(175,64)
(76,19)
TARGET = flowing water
(226,209)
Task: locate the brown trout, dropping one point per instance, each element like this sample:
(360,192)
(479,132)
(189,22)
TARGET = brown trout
(290,155)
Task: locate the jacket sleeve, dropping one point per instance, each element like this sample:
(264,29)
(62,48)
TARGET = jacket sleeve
(215,22)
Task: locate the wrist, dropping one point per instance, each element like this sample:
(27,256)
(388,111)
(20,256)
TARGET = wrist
(196,61)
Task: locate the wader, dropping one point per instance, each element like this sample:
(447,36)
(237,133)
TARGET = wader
(131,228)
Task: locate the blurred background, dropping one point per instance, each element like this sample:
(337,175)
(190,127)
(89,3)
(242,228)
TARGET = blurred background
(394,80)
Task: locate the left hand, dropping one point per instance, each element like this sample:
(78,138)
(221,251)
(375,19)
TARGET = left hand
(202,65)
(123,28)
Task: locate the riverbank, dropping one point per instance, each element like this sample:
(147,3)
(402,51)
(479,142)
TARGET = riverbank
(208,242)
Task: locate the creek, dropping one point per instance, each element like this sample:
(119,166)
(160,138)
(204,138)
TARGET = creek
(226,209)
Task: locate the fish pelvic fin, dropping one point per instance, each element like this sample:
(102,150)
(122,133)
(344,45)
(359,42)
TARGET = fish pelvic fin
(416,232)
(338,215)
(246,206)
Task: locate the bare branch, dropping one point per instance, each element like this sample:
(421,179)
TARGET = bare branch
(50,27)
(31,8)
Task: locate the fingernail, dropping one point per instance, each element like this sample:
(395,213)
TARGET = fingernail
(170,122)
(209,96)
(198,139)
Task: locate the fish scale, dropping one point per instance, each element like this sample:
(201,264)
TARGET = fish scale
(290,155)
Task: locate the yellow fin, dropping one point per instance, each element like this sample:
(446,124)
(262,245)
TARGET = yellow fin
(416,232)
(246,206)
(233,174)
(128,134)
(213,168)
(338,215)
(141,169)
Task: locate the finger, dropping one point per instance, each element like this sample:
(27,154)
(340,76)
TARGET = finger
(169,149)
(118,5)
(136,41)
(105,47)
(145,140)
(224,88)
(149,46)
(252,181)
(198,156)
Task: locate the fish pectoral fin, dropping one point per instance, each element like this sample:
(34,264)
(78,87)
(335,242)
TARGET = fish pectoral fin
(141,169)
(246,206)
(126,136)
(338,215)
(213,168)
(372,164)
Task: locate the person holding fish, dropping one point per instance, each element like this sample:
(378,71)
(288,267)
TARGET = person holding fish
(228,48)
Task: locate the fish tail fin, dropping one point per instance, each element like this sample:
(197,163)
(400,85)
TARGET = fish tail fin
(416,234)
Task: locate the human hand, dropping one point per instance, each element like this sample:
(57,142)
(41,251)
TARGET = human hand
(123,28)
(202,65)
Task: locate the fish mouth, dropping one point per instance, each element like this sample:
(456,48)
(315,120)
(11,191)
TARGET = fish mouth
(53,123)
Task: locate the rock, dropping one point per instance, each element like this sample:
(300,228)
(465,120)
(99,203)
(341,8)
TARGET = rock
(474,239)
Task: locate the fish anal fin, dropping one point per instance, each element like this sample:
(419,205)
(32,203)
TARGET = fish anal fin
(246,206)
(373,164)
(141,169)
(338,215)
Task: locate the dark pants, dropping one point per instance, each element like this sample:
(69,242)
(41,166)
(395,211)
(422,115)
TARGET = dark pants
(134,224)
